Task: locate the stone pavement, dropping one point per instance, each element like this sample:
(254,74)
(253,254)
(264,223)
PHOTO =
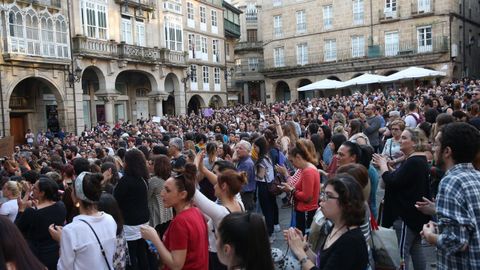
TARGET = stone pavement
(284,220)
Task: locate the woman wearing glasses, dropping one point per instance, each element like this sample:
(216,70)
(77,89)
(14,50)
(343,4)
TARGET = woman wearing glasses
(342,203)
(392,145)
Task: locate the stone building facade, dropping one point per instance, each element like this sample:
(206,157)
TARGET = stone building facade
(310,40)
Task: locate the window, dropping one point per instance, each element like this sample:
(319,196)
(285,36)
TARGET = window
(33,35)
(390,9)
(94,19)
(193,73)
(191,46)
(251,13)
(215,50)
(327,16)
(61,30)
(277,3)
(424,6)
(252,35)
(140,34)
(214,18)
(278,57)
(358,46)
(204,47)
(424,38)
(216,75)
(173,6)
(330,50)
(357,12)
(126,30)
(301,22)
(48,42)
(302,54)
(203,17)
(190,11)
(253,64)
(277,26)
(391,43)
(205,75)
(173,36)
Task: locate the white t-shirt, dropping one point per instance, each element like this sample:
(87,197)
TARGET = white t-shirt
(410,121)
(79,248)
(9,209)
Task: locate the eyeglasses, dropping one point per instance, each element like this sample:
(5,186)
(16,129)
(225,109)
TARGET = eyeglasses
(325,196)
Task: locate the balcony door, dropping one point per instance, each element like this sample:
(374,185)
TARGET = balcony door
(424,38)
(424,6)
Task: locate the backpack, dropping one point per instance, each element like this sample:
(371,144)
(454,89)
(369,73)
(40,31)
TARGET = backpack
(417,119)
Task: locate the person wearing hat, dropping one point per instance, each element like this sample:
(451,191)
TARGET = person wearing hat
(89,241)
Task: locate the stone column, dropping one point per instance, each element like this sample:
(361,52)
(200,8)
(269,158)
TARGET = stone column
(263,97)
(158,99)
(109,108)
(246,96)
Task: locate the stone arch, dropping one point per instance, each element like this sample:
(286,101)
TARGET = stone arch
(282,91)
(34,102)
(357,75)
(151,78)
(195,104)
(100,76)
(172,83)
(216,102)
(335,78)
(304,94)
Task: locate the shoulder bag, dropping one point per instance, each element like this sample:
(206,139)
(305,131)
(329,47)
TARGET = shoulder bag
(99,243)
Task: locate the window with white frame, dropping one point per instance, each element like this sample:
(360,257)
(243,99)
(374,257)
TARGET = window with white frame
(358,46)
(173,36)
(277,3)
(205,75)
(204,48)
(302,54)
(277,25)
(216,75)
(216,50)
(327,16)
(391,43)
(48,41)
(278,59)
(424,39)
(191,46)
(173,6)
(190,11)
(140,33)
(94,18)
(301,21)
(214,18)
(358,12)
(16,25)
(61,39)
(126,29)
(193,73)
(252,63)
(390,9)
(330,50)
(251,12)
(33,35)
(203,16)
(424,6)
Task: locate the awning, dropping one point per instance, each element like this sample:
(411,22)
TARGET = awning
(414,73)
(321,85)
(365,79)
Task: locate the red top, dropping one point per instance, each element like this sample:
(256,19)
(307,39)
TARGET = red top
(188,230)
(307,190)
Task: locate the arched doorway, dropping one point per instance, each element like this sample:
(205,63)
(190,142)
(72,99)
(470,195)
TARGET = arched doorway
(215,102)
(35,104)
(93,110)
(133,102)
(171,84)
(195,104)
(305,94)
(282,92)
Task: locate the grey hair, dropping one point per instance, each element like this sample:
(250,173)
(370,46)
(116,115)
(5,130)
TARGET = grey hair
(177,142)
(245,144)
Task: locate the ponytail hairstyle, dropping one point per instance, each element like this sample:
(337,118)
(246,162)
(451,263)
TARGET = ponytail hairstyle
(305,149)
(252,253)
(14,187)
(234,180)
(49,188)
(88,188)
(186,180)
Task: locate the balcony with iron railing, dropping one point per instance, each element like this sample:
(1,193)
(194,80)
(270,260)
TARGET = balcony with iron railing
(110,49)
(148,5)
(248,45)
(402,49)
(249,71)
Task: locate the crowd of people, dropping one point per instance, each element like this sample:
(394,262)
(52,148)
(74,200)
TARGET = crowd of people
(204,192)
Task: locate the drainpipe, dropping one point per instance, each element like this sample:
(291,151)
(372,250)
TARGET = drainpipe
(464,45)
(72,69)
(1,105)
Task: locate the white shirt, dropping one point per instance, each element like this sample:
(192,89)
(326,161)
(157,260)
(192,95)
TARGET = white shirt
(9,209)
(79,248)
(410,121)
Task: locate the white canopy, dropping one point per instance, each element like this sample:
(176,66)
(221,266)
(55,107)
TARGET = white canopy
(366,78)
(323,84)
(414,73)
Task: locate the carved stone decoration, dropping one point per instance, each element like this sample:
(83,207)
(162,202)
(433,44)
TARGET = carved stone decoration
(108,99)
(111,67)
(163,71)
(122,63)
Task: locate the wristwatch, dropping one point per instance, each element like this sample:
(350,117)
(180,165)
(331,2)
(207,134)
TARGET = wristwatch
(303,260)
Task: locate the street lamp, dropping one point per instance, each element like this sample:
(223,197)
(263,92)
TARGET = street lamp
(75,76)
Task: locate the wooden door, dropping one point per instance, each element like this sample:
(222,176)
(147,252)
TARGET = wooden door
(17,129)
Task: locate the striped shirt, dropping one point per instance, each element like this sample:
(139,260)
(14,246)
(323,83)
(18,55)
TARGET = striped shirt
(458,210)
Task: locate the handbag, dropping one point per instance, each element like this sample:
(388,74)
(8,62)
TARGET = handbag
(273,187)
(319,231)
(99,243)
(384,247)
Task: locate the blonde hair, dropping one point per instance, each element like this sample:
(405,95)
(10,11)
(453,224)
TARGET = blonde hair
(398,122)
(14,187)
(419,138)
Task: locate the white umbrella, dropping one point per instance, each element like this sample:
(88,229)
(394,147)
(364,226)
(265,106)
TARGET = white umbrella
(414,73)
(366,78)
(321,85)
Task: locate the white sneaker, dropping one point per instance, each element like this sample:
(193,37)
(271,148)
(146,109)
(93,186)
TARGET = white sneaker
(277,228)
(272,238)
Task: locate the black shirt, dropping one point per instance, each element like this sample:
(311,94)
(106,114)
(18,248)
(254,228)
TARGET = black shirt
(131,195)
